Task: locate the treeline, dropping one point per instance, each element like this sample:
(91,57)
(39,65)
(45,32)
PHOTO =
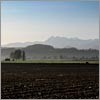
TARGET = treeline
(17,55)
(39,51)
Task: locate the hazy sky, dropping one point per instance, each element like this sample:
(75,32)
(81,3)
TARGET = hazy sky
(23,21)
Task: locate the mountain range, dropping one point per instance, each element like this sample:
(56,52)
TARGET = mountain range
(61,42)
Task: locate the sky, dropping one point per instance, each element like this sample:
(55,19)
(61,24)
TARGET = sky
(29,21)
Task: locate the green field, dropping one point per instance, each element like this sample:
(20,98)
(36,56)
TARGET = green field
(51,61)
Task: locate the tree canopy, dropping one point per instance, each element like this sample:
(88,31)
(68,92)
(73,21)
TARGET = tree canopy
(18,54)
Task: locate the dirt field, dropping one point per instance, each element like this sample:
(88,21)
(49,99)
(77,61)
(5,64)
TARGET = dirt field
(51,81)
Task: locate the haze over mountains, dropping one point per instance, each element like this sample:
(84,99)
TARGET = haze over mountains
(61,42)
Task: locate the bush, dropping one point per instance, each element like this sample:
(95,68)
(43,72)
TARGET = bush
(7,59)
(87,62)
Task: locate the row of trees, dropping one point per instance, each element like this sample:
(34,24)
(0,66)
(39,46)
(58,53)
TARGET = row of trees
(72,58)
(18,54)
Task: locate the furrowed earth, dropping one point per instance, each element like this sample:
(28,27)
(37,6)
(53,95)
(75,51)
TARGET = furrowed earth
(49,81)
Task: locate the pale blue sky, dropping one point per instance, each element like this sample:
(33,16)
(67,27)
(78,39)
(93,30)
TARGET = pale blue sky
(23,21)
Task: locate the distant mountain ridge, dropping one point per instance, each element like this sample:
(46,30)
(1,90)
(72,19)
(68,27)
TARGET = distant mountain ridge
(61,42)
